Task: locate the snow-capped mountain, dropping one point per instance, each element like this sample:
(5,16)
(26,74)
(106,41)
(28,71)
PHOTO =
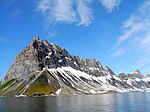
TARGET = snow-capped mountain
(44,68)
(136,73)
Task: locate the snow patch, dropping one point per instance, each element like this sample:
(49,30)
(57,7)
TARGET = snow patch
(60,61)
(50,53)
(58,91)
(66,57)
(93,68)
(47,57)
(49,81)
(75,63)
(93,91)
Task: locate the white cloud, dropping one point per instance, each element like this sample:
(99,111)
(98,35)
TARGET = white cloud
(51,34)
(110,5)
(3,40)
(84,12)
(58,10)
(130,31)
(43,5)
(63,11)
(120,52)
(67,11)
(72,11)
(136,35)
(137,23)
(144,44)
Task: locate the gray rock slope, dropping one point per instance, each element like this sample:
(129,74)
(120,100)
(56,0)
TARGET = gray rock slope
(40,54)
(43,68)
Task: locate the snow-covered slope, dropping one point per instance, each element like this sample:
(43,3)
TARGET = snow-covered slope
(43,68)
(82,82)
(139,84)
(69,81)
(85,83)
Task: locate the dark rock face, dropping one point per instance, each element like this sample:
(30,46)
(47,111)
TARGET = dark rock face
(41,53)
(148,75)
(122,76)
(108,70)
(25,63)
(43,68)
(136,74)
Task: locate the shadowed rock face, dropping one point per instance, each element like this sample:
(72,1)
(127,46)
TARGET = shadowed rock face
(122,76)
(41,53)
(108,70)
(136,74)
(43,68)
(25,63)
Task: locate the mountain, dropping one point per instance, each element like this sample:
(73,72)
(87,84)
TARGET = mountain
(122,76)
(136,74)
(40,54)
(44,68)
(109,71)
(148,75)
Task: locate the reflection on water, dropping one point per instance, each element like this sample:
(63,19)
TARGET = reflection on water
(127,102)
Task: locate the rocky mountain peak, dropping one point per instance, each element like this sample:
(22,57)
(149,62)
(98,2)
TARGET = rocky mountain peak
(136,74)
(36,38)
(43,54)
(137,71)
(148,75)
(43,68)
(108,69)
(122,76)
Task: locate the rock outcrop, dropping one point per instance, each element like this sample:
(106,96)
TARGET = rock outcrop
(44,68)
(136,74)
(40,54)
(108,70)
(122,76)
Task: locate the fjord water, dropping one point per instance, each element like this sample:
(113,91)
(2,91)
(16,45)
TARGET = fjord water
(115,102)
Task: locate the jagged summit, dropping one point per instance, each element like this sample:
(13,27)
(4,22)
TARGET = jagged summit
(137,71)
(107,69)
(136,74)
(41,53)
(44,68)
(36,38)
(122,76)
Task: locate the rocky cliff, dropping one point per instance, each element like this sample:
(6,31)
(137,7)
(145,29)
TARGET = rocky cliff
(40,54)
(44,68)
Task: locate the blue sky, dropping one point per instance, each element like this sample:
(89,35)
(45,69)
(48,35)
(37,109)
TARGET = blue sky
(115,32)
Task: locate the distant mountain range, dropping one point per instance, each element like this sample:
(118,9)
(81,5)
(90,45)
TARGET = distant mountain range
(44,68)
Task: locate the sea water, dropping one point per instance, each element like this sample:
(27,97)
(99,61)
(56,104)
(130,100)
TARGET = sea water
(112,102)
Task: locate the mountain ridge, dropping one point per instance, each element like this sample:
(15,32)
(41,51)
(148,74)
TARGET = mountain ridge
(55,56)
(44,68)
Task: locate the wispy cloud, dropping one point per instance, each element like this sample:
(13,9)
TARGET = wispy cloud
(63,11)
(136,35)
(84,12)
(120,52)
(16,13)
(72,11)
(145,43)
(43,5)
(110,5)
(3,40)
(51,34)
(67,11)
(137,23)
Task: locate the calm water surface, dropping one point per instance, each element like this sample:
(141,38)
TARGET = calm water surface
(117,102)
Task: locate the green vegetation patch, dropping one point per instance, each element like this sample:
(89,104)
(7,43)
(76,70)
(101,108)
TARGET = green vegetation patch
(42,87)
(38,88)
(13,89)
(19,89)
(7,84)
